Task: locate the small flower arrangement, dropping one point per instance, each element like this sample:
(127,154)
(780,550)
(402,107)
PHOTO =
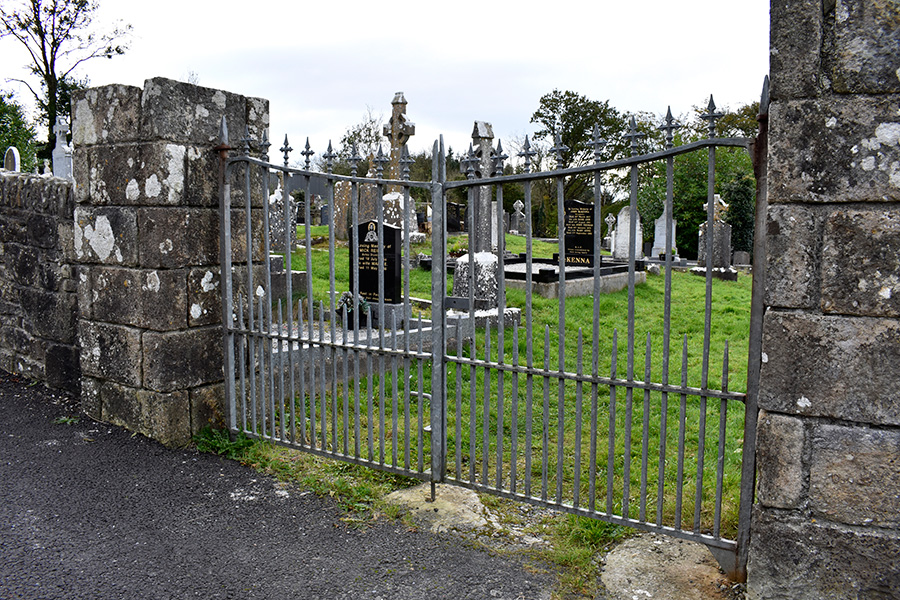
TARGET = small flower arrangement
(346,304)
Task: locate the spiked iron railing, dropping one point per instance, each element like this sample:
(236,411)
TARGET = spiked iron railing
(359,391)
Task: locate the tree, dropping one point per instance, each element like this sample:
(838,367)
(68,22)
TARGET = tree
(368,136)
(59,37)
(572,117)
(16,131)
(690,179)
(740,194)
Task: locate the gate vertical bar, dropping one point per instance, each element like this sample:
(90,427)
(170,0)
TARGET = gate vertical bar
(759,152)
(225,274)
(438,291)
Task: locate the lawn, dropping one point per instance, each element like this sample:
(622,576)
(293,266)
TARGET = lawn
(565,439)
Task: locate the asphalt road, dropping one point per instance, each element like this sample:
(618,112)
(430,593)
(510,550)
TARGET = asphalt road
(88,510)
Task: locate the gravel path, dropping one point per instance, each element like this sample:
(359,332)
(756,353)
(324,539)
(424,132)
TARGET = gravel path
(88,510)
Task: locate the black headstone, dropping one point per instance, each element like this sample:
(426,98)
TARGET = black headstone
(579,233)
(368,262)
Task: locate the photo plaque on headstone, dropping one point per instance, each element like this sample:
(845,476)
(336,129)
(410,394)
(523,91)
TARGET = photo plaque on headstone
(368,262)
(579,233)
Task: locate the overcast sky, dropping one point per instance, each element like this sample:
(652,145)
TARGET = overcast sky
(322,63)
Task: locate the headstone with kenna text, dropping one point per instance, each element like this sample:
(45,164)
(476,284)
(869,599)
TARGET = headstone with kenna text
(579,233)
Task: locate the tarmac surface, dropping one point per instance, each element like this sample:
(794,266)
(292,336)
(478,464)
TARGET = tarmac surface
(89,510)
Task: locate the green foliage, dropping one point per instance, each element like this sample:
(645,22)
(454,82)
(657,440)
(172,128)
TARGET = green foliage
(740,194)
(218,441)
(691,172)
(16,131)
(58,36)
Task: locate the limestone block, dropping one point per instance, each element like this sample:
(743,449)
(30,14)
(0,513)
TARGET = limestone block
(795,44)
(52,315)
(144,174)
(111,352)
(201,177)
(860,262)
(866,37)
(180,360)
(183,112)
(120,406)
(105,115)
(81,171)
(62,368)
(850,150)
(106,235)
(853,475)
(91,403)
(806,560)
(22,263)
(42,231)
(172,238)
(145,298)
(204,296)
(779,461)
(166,417)
(207,407)
(827,366)
(793,240)
(85,294)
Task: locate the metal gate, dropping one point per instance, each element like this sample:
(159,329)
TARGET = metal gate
(614,425)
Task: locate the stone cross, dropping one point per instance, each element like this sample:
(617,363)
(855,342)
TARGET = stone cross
(62,155)
(482,142)
(61,130)
(398,130)
(518,217)
(610,221)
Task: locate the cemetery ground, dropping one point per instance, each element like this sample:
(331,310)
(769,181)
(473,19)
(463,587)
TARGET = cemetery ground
(557,463)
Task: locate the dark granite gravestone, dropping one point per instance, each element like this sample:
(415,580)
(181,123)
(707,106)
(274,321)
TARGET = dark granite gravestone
(368,263)
(456,217)
(579,233)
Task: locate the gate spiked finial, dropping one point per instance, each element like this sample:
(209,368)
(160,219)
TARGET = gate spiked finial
(633,135)
(307,152)
(286,150)
(712,116)
(499,157)
(329,157)
(669,127)
(223,132)
(246,141)
(354,159)
(405,162)
(527,153)
(264,147)
(470,162)
(597,143)
(559,148)
(380,161)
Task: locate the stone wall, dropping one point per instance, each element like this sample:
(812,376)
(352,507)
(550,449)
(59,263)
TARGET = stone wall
(146,237)
(38,300)
(827,519)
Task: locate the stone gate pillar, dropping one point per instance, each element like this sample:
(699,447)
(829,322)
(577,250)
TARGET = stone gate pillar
(146,241)
(827,519)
